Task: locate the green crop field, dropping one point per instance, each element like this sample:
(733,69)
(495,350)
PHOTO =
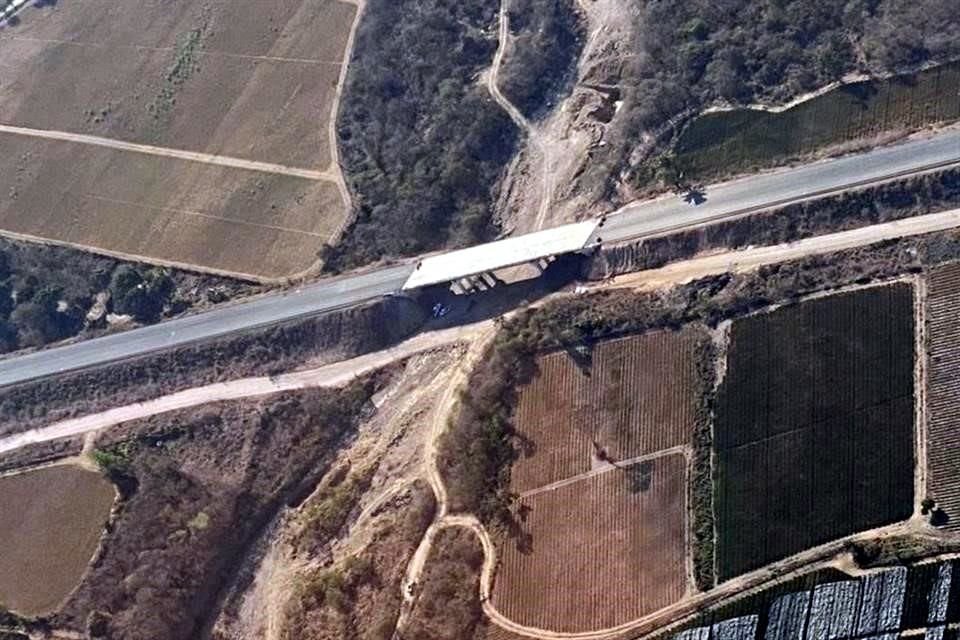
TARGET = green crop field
(730,142)
(814,425)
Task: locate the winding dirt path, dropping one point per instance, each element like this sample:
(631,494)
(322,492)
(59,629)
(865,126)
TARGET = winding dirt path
(533,136)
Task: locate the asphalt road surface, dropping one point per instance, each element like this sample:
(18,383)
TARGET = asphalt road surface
(636,220)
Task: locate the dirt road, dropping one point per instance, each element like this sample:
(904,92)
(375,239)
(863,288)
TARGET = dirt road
(755,257)
(180,154)
(331,375)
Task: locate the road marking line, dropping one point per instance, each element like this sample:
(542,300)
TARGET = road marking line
(180,154)
(202,52)
(210,216)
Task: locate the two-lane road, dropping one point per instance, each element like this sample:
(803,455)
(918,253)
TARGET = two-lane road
(637,220)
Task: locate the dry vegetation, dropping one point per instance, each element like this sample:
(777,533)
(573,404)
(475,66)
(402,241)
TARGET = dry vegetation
(358,599)
(814,425)
(199,488)
(53,521)
(448,604)
(599,552)
(257,85)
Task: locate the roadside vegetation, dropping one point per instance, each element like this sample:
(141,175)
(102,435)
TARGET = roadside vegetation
(49,293)
(692,55)
(547,41)
(422,143)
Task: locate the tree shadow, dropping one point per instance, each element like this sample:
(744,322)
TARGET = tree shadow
(639,476)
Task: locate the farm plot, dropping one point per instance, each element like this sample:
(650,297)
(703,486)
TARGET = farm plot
(599,552)
(729,141)
(165,209)
(814,425)
(252,85)
(45,547)
(258,83)
(943,390)
(636,396)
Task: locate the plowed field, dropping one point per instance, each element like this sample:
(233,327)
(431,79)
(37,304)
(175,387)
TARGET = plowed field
(251,81)
(814,426)
(51,525)
(635,397)
(943,389)
(599,552)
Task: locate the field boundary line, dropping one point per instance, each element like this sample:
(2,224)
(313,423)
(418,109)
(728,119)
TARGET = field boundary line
(201,52)
(619,465)
(167,152)
(209,216)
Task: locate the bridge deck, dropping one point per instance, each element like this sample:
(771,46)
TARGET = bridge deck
(451,266)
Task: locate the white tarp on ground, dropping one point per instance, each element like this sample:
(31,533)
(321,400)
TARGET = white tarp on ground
(453,265)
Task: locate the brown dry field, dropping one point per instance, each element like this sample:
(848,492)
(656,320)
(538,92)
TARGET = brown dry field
(636,398)
(603,551)
(164,209)
(59,515)
(253,80)
(263,82)
(943,389)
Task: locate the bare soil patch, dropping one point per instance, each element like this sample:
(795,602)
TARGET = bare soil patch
(600,552)
(53,519)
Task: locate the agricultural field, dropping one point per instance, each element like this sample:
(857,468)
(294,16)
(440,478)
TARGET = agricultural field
(943,389)
(59,516)
(814,425)
(257,85)
(618,400)
(598,552)
(728,142)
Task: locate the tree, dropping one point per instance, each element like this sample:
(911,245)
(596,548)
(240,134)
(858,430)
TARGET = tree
(141,295)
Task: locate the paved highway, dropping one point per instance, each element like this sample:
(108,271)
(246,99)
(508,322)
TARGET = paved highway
(780,187)
(636,220)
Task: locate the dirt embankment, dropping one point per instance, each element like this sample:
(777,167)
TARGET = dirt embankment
(854,209)
(310,341)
